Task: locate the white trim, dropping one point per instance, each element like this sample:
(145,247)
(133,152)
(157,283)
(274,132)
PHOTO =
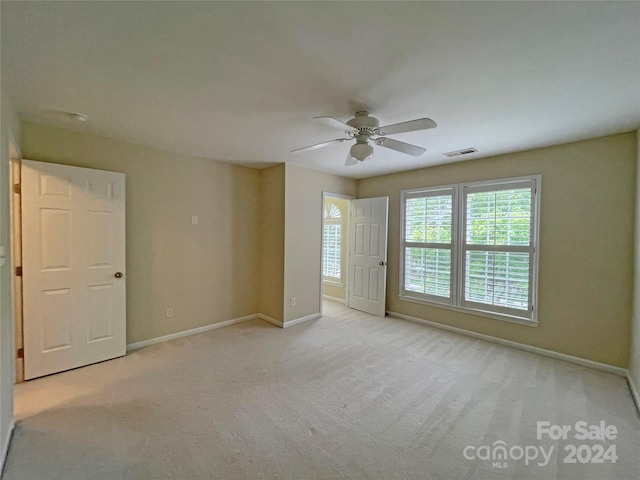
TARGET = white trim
(334,299)
(289,323)
(296,321)
(635,391)
(5,446)
(336,195)
(192,331)
(520,346)
(269,319)
(471,311)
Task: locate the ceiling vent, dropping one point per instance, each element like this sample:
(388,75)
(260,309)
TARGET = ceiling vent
(457,153)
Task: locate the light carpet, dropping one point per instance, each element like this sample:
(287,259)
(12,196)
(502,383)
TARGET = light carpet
(346,396)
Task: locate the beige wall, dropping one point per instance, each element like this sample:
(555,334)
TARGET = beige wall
(258,242)
(207,272)
(272,242)
(634,364)
(9,132)
(330,289)
(303,236)
(586,244)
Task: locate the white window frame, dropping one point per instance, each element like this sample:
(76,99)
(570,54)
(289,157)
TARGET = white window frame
(459,248)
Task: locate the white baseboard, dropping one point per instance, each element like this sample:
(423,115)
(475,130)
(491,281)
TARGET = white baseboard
(335,299)
(635,391)
(521,346)
(269,319)
(213,326)
(192,331)
(296,321)
(289,323)
(5,445)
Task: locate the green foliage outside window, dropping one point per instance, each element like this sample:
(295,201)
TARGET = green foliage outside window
(499,218)
(428,220)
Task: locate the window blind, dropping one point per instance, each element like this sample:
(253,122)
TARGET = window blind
(331,257)
(428,244)
(472,246)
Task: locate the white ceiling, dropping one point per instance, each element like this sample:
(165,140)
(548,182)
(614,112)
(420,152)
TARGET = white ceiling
(240,82)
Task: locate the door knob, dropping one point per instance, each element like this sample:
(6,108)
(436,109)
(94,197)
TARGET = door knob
(118,275)
(381,264)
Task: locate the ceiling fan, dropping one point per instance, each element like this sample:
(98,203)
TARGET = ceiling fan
(366,130)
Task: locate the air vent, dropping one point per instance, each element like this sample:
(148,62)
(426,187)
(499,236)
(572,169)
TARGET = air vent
(457,153)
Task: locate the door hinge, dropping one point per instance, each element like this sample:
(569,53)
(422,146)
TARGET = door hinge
(20,353)
(18,271)
(17,188)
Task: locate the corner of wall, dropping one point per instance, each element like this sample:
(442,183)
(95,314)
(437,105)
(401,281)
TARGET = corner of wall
(303,237)
(272,222)
(634,363)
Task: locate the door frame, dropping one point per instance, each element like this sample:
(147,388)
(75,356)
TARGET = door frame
(342,196)
(15,232)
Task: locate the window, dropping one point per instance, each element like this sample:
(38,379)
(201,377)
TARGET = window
(472,247)
(428,243)
(332,244)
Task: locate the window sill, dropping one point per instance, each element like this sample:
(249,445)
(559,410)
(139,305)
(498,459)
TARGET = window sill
(472,311)
(333,284)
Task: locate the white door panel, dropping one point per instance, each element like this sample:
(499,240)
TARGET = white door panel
(73,245)
(368,259)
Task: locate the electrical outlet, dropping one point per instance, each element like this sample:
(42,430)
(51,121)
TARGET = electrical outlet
(169,312)
(293,301)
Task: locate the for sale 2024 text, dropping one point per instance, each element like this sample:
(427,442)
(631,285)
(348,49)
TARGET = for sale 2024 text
(581,431)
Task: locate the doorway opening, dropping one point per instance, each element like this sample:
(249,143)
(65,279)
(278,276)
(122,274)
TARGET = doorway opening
(335,247)
(354,252)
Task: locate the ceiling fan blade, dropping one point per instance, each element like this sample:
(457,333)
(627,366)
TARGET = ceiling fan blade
(319,145)
(400,146)
(334,122)
(410,126)
(350,160)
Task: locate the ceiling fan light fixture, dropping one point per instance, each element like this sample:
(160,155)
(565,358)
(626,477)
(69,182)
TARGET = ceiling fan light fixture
(361,151)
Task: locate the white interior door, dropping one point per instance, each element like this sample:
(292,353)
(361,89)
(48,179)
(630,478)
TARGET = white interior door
(368,255)
(73,266)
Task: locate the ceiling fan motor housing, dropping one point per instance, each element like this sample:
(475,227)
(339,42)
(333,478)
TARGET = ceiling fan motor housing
(363,122)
